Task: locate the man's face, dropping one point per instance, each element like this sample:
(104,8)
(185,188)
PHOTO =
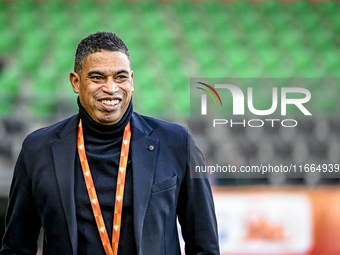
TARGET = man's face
(105,86)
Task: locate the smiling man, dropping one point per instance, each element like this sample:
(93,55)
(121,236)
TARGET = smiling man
(104,84)
(108,180)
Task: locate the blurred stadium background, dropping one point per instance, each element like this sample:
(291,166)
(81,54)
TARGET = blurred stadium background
(171,42)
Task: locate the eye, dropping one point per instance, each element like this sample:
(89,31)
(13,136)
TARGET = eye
(122,78)
(97,78)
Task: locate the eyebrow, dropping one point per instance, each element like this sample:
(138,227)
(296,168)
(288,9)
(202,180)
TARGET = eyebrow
(122,71)
(103,73)
(95,72)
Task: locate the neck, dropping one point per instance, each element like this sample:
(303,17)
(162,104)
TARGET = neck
(97,130)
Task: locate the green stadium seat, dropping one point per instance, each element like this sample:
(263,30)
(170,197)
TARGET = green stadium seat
(147,5)
(278,21)
(321,40)
(54,6)
(249,22)
(259,39)
(151,101)
(212,7)
(170,59)
(197,40)
(8,41)
(181,103)
(240,7)
(330,7)
(289,39)
(44,93)
(6,108)
(229,39)
(30,60)
(219,22)
(145,78)
(313,71)
(153,22)
(181,6)
(330,58)
(161,40)
(27,18)
(206,59)
(32,50)
(63,59)
(299,7)
(310,22)
(3,17)
(57,21)
(24,5)
(10,83)
(112,8)
(122,20)
(269,58)
(301,59)
(188,22)
(270,7)
(334,23)
(238,58)
(177,79)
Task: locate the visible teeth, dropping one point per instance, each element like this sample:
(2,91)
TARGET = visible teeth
(110,102)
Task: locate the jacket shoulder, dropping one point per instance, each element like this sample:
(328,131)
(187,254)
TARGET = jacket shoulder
(162,127)
(53,132)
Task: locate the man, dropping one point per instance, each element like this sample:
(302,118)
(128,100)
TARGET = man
(93,192)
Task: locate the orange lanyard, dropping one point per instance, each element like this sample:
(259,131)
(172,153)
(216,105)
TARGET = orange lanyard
(110,250)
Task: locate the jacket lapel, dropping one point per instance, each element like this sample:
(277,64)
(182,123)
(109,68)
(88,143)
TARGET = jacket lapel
(143,165)
(64,151)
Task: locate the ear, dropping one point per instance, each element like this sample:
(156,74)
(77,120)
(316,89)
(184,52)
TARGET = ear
(132,87)
(75,81)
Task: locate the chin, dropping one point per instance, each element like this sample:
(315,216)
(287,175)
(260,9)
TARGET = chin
(110,121)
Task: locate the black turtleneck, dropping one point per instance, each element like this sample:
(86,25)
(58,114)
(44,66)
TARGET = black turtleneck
(103,146)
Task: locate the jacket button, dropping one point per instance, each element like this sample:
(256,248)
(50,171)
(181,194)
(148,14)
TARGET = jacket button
(151,148)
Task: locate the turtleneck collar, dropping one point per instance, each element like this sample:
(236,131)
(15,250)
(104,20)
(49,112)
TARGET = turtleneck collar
(97,130)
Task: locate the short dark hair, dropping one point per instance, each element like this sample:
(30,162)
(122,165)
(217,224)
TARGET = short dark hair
(96,43)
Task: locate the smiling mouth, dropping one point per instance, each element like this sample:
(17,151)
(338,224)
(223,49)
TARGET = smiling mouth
(110,102)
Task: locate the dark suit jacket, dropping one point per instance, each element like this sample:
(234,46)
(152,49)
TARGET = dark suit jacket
(42,192)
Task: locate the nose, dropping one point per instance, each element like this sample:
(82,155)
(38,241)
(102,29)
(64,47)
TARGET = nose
(110,86)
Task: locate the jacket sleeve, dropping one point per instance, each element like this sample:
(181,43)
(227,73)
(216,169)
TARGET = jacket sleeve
(195,209)
(22,219)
